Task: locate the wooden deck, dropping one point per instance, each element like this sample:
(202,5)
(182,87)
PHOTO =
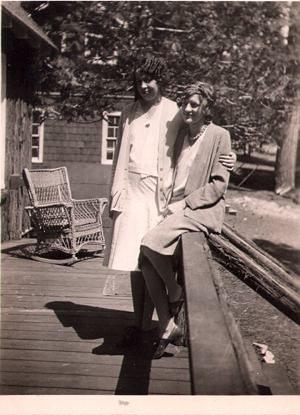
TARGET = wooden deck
(59,328)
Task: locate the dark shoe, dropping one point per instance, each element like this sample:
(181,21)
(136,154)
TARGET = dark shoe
(147,342)
(131,337)
(175,307)
(162,344)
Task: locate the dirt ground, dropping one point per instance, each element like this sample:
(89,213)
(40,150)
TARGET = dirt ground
(273,223)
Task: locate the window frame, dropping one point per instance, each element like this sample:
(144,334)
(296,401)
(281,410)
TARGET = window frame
(40,135)
(105,125)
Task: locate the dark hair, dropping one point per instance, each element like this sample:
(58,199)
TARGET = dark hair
(203,89)
(153,66)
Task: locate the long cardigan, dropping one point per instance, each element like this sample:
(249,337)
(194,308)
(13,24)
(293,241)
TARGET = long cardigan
(170,124)
(207,182)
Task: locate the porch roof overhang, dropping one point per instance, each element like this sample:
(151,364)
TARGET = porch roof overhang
(16,19)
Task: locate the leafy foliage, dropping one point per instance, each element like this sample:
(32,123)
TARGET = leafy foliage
(239,46)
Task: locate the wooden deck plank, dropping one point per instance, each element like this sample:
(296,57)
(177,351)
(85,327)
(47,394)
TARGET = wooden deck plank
(59,334)
(62,381)
(95,314)
(36,301)
(59,271)
(11,366)
(97,320)
(103,386)
(23,390)
(90,358)
(52,292)
(70,336)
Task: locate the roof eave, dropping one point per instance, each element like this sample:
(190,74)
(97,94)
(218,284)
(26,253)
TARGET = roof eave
(25,28)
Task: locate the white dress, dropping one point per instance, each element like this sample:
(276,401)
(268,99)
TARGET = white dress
(140,212)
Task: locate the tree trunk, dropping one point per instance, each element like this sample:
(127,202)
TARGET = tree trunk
(285,166)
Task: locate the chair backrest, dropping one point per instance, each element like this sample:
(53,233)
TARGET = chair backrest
(47,186)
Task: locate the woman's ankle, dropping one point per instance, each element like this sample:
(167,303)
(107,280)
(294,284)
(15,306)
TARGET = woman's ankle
(168,329)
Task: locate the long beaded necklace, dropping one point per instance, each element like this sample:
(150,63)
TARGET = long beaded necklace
(192,140)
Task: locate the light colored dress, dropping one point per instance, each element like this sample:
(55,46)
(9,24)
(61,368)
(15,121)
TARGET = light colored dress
(140,211)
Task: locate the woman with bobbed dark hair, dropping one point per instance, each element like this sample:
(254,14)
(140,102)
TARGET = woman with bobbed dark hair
(197,204)
(155,68)
(141,181)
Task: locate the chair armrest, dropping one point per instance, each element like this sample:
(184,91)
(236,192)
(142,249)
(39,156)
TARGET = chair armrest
(92,208)
(101,201)
(52,216)
(53,205)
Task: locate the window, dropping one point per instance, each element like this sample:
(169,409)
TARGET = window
(37,138)
(109,136)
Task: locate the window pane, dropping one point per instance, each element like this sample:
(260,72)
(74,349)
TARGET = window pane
(35,152)
(109,155)
(113,121)
(110,132)
(35,141)
(111,143)
(35,129)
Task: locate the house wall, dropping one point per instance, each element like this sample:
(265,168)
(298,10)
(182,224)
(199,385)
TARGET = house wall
(14,219)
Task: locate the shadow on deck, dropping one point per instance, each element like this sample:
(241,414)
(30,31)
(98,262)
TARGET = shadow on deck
(59,331)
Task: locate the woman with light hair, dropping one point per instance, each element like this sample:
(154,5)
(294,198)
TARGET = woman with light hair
(197,204)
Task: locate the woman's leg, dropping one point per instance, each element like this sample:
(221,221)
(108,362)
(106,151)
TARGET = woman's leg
(142,304)
(157,291)
(148,310)
(163,265)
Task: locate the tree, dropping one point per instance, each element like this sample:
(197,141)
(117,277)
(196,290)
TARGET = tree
(287,145)
(240,46)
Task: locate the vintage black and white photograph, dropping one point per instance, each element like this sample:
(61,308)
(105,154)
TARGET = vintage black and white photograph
(150,204)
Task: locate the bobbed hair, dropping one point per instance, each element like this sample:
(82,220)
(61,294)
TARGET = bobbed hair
(152,66)
(205,90)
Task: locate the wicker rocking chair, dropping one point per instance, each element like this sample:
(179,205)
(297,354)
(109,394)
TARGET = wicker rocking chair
(62,223)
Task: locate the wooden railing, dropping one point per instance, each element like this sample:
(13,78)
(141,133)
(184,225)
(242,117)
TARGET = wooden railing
(221,361)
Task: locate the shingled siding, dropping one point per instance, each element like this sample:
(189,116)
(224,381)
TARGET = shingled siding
(72,142)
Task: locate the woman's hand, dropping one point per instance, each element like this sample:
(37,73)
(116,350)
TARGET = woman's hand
(228,161)
(173,208)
